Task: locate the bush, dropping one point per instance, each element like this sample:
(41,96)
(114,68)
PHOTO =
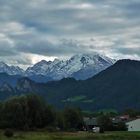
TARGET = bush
(8,133)
(51,129)
(72,130)
(101,130)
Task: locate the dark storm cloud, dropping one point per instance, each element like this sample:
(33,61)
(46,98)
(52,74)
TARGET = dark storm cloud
(39,27)
(46,48)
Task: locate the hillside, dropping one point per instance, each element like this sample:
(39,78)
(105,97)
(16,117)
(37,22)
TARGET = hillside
(117,87)
(10,79)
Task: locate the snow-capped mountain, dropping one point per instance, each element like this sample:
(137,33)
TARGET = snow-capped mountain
(80,66)
(11,70)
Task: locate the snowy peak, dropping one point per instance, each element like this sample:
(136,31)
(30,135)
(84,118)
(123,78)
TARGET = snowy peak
(92,58)
(42,68)
(11,70)
(83,65)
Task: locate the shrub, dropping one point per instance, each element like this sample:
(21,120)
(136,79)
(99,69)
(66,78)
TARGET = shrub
(101,130)
(8,133)
(51,129)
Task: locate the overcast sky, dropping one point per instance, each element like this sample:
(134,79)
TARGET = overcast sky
(31,30)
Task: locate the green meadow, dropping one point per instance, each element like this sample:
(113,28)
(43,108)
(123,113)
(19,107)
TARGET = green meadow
(72,136)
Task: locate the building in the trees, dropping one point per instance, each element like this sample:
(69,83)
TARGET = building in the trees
(133,125)
(91,124)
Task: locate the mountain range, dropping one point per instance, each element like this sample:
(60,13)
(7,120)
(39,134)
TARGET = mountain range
(117,87)
(80,67)
(11,70)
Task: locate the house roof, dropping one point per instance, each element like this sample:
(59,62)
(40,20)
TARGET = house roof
(134,121)
(90,121)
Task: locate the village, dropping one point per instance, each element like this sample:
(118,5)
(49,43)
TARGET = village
(117,123)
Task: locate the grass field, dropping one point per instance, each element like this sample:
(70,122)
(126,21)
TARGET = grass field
(72,136)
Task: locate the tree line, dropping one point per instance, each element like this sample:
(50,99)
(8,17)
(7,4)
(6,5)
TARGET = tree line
(31,112)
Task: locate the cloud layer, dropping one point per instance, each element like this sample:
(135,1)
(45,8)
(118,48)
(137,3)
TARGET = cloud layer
(35,29)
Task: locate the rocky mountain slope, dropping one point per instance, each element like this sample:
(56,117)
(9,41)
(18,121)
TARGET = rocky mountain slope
(11,70)
(80,67)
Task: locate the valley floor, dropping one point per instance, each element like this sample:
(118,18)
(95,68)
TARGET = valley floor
(73,136)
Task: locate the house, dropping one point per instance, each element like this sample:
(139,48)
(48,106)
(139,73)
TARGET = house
(120,119)
(91,124)
(116,121)
(125,117)
(133,125)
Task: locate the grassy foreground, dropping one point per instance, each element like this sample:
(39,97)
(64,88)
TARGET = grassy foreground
(73,136)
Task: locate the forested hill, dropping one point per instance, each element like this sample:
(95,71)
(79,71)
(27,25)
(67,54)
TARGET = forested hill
(117,87)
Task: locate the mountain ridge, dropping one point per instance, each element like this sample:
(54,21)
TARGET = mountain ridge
(80,67)
(59,69)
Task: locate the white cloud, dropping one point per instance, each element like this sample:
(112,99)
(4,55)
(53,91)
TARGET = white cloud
(45,29)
